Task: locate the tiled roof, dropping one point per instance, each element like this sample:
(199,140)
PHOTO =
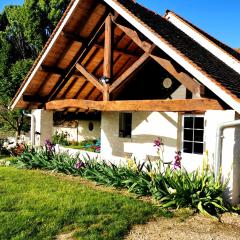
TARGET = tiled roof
(193,52)
(234,53)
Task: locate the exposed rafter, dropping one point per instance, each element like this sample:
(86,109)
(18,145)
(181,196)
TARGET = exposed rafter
(78,58)
(52,70)
(33,99)
(77,38)
(187,81)
(146,46)
(182,105)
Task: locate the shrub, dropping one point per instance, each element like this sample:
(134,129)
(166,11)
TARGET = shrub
(173,186)
(61,138)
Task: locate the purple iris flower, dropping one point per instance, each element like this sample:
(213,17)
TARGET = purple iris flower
(177,162)
(80,164)
(49,146)
(158,142)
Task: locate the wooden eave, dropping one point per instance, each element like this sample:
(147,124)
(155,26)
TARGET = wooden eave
(96,48)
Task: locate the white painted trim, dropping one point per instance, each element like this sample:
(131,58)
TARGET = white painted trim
(45,53)
(204,79)
(207,44)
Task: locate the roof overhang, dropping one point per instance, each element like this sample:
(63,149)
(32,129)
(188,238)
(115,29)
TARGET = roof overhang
(155,38)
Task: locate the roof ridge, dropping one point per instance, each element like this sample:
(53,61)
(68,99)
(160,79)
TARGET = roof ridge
(205,35)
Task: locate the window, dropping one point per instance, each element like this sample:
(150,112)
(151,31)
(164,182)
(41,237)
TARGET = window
(90,126)
(125,125)
(193,132)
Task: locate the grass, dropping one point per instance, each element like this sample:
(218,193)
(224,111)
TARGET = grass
(35,205)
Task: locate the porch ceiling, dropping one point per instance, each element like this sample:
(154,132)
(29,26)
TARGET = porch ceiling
(76,57)
(93,43)
(114,40)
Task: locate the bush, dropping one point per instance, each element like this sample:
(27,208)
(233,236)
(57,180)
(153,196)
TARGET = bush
(173,188)
(60,138)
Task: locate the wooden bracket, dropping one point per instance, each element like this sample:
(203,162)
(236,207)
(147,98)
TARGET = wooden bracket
(90,77)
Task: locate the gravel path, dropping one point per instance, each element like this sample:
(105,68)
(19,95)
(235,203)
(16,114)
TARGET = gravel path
(196,228)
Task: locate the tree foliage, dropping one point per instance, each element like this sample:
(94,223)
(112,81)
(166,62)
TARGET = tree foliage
(23,32)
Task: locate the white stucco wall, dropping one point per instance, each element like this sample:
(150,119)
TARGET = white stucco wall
(43,124)
(81,132)
(146,127)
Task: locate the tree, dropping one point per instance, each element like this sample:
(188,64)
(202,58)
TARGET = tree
(23,32)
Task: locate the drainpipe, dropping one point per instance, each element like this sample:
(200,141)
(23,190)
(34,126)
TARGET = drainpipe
(218,148)
(32,126)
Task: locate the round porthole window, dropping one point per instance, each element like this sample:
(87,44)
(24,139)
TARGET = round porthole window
(167,82)
(90,126)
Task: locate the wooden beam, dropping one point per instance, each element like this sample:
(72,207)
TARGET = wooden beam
(33,99)
(189,105)
(77,38)
(182,77)
(52,70)
(108,57)
(74,37)
(131,70)
(187,81)
(108,46)
(89,77)
(97,31)
(146,46)
(106,94)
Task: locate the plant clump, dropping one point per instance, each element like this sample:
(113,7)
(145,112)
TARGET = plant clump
(169,183)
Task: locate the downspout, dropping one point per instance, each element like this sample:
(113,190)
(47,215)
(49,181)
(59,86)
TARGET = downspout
(32,138)
(218,148)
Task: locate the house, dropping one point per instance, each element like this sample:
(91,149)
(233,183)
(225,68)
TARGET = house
(149,76)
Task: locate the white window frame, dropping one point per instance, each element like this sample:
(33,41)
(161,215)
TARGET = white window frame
(203,142)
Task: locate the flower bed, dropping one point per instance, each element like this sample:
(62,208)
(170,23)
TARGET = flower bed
(170,185)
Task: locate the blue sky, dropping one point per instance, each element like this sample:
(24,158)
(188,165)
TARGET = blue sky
(219,18)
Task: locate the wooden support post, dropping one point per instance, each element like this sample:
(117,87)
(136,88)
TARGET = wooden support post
(106,96)
(108,57)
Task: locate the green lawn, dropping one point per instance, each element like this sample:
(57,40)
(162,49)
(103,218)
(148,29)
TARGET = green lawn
(34,205)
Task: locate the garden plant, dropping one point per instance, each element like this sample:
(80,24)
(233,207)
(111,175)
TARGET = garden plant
(170,184)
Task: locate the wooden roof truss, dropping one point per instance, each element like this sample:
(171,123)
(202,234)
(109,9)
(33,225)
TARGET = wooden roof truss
(91,77)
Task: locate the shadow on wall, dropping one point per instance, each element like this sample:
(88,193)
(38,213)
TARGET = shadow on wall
(86,132)
(144,134)
(139,141)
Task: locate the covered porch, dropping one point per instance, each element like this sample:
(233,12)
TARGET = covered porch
(103,58)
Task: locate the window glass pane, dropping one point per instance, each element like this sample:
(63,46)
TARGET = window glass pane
(199,123)
(188,122)
(188,135)
(198,135)
(187,147)
(198,148)
(125,125)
